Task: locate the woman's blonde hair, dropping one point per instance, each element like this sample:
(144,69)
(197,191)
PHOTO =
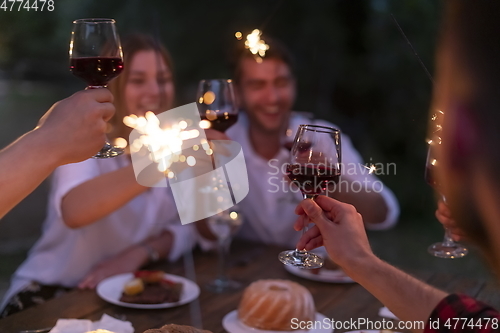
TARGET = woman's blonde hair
(131,46)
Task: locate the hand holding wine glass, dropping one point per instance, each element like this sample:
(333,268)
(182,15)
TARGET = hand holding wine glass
(448,248)
(315,165)
(216,103)
(96,57)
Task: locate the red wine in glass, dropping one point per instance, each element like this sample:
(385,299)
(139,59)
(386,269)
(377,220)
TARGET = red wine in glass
(312,180)
(96,57)
(96,71)
(315,163)
(216,103)
(222,121)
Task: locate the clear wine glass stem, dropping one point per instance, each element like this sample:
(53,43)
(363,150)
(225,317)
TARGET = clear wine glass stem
(222,259)
(108,150)
(447,240)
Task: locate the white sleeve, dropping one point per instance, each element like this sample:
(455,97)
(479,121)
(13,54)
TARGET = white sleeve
(358,173)
(69,176)
(183,240)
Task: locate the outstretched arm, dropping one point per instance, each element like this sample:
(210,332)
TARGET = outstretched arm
(71,131)
(339,227)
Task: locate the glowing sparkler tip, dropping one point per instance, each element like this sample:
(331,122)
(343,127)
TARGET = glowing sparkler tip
(256,45)
(238,35)
(164,143)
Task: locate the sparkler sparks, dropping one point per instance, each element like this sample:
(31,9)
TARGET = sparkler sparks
(164,144)
(371,169)
(255,44)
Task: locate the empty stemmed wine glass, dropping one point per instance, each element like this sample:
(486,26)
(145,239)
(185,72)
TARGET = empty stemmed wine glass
(315,165)
(448,248)
(96,57)
(224,225)
(216,103)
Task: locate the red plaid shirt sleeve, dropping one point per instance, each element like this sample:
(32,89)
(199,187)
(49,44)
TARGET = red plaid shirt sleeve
(461,313)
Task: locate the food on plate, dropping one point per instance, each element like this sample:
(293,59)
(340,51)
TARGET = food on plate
(151,287)
(328,264)
(150,276)
(173,328)
(271,305)
(133,287)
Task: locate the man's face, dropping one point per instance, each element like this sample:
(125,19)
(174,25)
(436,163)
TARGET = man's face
(267,92)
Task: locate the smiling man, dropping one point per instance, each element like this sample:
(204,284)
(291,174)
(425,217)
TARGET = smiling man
(266,91)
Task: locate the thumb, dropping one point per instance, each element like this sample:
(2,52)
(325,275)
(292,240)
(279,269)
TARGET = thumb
(314,212)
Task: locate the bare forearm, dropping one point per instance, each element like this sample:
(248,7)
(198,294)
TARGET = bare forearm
(407,297)
(99,197)
(23,166)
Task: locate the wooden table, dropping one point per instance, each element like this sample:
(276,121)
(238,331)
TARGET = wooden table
(247,262)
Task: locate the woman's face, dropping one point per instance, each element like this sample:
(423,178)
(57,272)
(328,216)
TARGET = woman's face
(149,86)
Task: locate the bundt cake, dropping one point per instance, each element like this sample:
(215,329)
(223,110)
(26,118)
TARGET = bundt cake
(272,304)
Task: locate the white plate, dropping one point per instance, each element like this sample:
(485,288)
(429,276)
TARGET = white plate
(111,290)
(232,324)
(324,275)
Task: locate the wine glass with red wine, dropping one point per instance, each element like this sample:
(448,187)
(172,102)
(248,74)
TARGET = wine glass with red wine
(216,103)
(96,57)
(448,248)
(315,166)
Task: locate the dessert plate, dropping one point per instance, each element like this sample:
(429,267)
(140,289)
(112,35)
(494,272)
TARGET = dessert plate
(232,324)
(111,289)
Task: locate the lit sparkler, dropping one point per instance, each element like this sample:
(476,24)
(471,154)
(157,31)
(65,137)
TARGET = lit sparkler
(164,144)
(371,168)
(255,44)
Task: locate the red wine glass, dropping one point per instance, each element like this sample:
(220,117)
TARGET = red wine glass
(96,57)
(216,103)
(448,248)
(315,166)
